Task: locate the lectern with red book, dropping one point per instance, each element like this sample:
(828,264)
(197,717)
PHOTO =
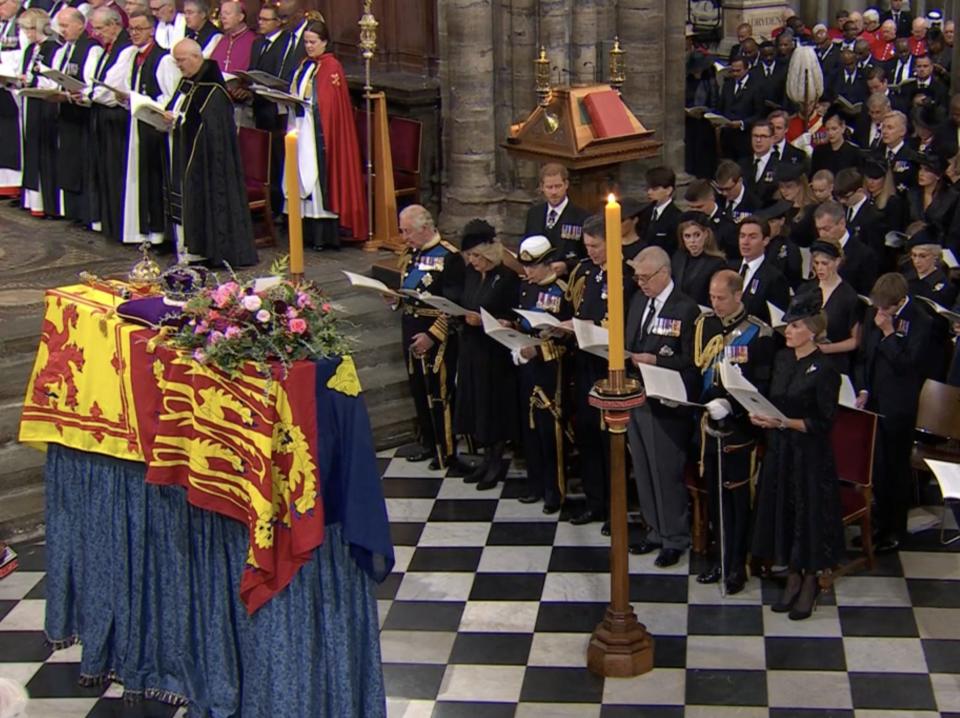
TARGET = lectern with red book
(589,130)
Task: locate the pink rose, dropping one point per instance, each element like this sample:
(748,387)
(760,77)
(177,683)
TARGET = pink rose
(252,302)
(292,313)
(215,337)
(199,355)
(326,307)
(297,325)
(232,332)
(303,300)
(263,316)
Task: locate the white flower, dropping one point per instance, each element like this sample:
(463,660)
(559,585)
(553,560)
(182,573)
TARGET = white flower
(263,316)
(252,302)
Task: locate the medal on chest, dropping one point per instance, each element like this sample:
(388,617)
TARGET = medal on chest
(665,327)
(548,302)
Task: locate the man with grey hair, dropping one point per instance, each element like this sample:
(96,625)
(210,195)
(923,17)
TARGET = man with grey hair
(660,332)
(199,28)
(110,120)
(429,264)
(859,265)
(96,5)
(901,159)
(78,57)
(171,25)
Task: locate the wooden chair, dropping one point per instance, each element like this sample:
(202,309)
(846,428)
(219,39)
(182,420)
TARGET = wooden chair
(852,437)
(405,138)
(255,156)
(938,419)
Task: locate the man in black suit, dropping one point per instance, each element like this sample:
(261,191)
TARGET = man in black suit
(859,266)
(888,377)
(659,332)
(741,102)
(659,221)
(926,82)
(947,138)
(700,197)
(266,55)
(897,153)
(864,54)
(782,150)
(877,84)
(868,131)
(848,81)
(865,222)
(903,19)
(759,170)
(770,73)
(738,201)
(901,67)
(558,219)
(294,22)
(828,52)
(762,281)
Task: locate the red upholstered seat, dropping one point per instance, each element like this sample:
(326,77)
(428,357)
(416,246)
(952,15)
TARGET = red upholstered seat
(852,438)
(405,139)
(255,156)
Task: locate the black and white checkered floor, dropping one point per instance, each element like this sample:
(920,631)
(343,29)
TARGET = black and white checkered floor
(491,605)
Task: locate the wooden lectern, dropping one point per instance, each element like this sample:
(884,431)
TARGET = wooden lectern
(386,231)
(564,132)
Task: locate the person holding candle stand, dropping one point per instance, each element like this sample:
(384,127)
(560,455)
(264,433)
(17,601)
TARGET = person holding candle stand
(660,331)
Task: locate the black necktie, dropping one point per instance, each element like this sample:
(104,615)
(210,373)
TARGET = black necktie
(775,153)
(738,87)
(756,168)
(648,320)
(551,218)
(743,270)
(890,155)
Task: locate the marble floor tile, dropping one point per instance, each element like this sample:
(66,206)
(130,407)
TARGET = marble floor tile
(721,652)
(435,586)
(872,591)
(559,649)
(515,559)
(27,615)
(416,646)
(664,686)
(499,616)
(481,683)
(454,533)
(577,587)
(879,655)
(809,689)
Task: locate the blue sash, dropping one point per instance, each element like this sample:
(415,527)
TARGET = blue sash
(741,341)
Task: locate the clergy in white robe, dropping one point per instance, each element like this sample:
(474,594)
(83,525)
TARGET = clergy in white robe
(171,25)
(78,58)
(111,121)
(38,117)
(11,57)
(153,74)
(199,27)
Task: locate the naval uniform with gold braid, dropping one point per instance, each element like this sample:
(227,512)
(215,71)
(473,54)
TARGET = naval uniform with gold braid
(437,268)
(747,343)
(542,386)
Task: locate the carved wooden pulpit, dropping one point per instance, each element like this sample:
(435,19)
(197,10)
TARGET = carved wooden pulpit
(590,131)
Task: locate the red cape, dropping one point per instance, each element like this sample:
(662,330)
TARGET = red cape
(346,192)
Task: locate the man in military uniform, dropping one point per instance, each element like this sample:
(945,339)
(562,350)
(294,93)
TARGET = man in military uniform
(728,441)
(429,264)
(659,332)
(557,218)
(587,293)
(541,372)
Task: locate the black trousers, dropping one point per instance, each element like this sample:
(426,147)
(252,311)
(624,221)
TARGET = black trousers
(542,432)
(892,480)
(737,466)
(592,441)
(111,126)
(432,388)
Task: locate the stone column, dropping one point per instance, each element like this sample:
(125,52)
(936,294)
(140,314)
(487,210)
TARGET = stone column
(555,21)
(671,133)
(585,42)
(468,96)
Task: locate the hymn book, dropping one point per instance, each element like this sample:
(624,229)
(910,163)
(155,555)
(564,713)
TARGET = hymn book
(541,320)
(70,84)
(665,384)
(149,111)
(950,316)
(851,108)
(776,316)
(949,258)
(591,338)
(40,93)
(279,96)
(363,282)
(510,338)
(259,77)
(746,394)
(7,80)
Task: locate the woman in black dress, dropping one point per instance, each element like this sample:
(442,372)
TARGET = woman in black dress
(933,201)
(840,303)
(878,181)
(837,153)
(798,520)
(486,405)
(792,186)
(697,257)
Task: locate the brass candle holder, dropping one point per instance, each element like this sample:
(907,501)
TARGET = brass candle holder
(368,46)
(618,65)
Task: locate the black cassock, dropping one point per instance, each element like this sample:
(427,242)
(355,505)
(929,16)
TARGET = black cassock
(487,405)
(74,156)
(798,498)
(111,132)
(207,196)
(10,160)
(40,137)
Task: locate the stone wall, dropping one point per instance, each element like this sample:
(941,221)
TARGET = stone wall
(487,48)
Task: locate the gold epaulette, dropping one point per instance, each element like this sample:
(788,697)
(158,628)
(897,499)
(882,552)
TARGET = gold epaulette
(765,329)
(450,247)
(563,285)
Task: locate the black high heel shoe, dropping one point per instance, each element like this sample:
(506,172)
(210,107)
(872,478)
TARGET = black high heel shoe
(790,593)
(806,602)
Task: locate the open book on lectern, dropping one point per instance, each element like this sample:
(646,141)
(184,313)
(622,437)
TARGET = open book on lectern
(746,394)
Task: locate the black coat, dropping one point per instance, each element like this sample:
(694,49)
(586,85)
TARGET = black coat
(662,232)
(904,21)
(937,90)
(797,517)
(692,274)
(725,232)
(939,213)
(861,135)
(785,255)
(859,266)
(566,233)
(947,139)
(827,158)
(829,59)
(792,155)
(870,226)
(486,405)
(294,55)
(892,369)
(267,57)
(766,285)
(749,204)
(903,166)
(669,338)
(855,91)
(773,86)
(765,187)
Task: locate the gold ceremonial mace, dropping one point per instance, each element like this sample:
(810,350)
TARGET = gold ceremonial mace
(368,45)
(620,645)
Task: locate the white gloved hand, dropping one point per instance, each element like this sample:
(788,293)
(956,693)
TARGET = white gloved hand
(517,357)
(718,409)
